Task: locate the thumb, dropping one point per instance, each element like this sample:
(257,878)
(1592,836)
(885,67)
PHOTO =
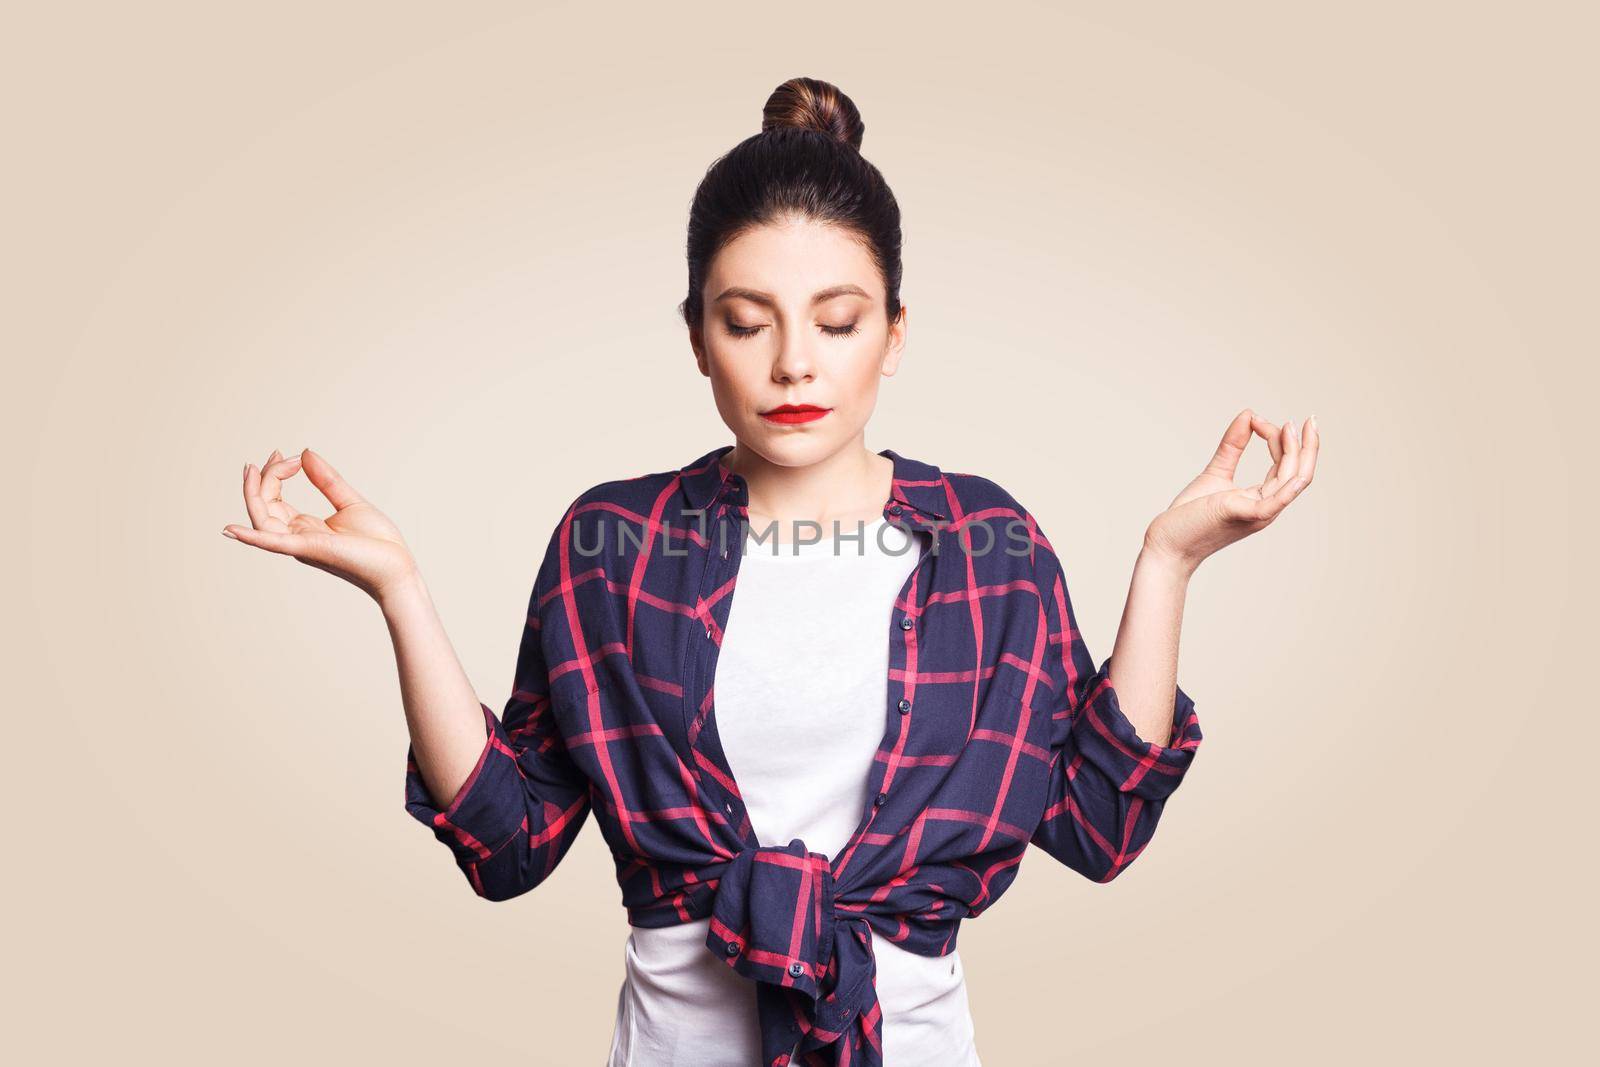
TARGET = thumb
(340,493)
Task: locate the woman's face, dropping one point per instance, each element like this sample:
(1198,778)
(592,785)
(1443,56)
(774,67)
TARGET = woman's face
(794,315)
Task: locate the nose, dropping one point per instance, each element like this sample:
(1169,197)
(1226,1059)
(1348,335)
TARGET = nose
(794,362)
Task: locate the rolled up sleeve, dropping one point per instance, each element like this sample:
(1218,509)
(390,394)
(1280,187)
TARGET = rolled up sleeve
(523,804)
(1107,785)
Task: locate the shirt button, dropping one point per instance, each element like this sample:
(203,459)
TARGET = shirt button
(796,969)
(880,798)
(905,622)
(731,949)
(905,705)
(895,509)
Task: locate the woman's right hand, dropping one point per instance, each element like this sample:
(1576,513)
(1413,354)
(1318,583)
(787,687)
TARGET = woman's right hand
(357,542)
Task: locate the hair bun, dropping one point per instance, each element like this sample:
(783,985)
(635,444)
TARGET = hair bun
(809,104)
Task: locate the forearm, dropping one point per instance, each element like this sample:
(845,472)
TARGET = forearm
(443,713)
(1144,660)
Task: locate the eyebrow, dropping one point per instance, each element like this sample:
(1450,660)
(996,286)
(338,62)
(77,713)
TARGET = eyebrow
(759,297)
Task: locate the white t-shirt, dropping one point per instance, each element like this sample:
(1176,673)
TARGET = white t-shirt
(801,692)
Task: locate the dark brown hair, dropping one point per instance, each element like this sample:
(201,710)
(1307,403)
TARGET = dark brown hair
(806,161)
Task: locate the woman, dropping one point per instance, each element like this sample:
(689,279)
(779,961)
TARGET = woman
(825,823)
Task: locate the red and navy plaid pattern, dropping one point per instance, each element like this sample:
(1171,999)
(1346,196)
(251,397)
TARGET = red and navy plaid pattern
(998,731)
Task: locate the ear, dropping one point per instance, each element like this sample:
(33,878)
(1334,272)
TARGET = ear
(897,344)
(697,342)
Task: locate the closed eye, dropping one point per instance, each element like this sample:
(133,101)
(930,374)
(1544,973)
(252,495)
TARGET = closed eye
(832,331)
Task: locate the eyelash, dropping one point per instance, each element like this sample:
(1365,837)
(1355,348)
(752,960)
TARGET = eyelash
(832,331)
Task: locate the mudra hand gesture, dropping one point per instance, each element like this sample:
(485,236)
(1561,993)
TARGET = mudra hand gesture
(357,542)
(1212,512)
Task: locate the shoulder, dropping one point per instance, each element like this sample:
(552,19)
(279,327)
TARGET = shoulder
(976,497)
(635,497)
(631,492)
(589,524)
(974,493)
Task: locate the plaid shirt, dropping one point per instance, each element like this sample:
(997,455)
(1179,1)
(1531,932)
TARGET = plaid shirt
(998,731)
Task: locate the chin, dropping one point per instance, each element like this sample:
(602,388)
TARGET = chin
(802,450)
(785,447)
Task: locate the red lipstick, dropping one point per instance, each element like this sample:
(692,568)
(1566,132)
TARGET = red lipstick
(790,413)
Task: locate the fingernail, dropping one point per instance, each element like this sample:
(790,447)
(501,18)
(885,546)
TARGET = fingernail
(229,534)
(1313,422)
(1294,431)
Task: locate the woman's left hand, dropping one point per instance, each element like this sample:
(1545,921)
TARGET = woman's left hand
(1212,512)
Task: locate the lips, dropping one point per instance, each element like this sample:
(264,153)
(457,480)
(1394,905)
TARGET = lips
(793,413)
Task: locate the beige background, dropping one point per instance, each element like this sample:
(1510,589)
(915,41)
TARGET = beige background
(426,239)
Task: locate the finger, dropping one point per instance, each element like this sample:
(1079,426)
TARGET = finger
(271,482)
(1295,482)
(286,544)
(269,486)
(1288,466)
(1281,497)
(1312,442)
(1248,506)
(1224,461)
(1284,495)
(1268,431)
(260,518)
(282,510)
(265,513)
(272,478)
(305,523)
(327,480)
